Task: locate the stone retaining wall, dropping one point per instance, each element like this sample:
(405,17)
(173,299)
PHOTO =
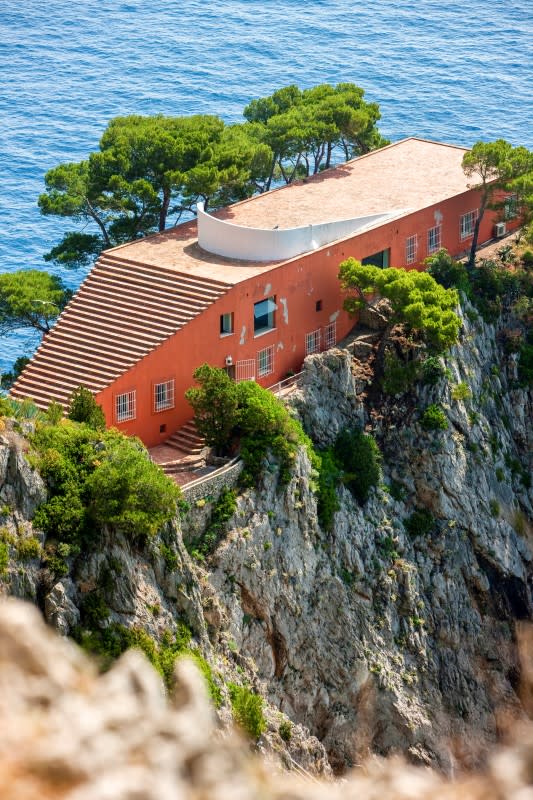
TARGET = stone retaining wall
(224,478)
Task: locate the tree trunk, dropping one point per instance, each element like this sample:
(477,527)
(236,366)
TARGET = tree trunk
(473,247)
(164,210)
(328,155)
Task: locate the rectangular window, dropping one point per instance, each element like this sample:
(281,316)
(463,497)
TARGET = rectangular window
(318,305)
(226,324)
(264,315)
(380,259)
(330,335)
(265,361)
(468,222)
(312,342)
(164,395)
(434,239)
(411,246)
(125,406)
(510,207)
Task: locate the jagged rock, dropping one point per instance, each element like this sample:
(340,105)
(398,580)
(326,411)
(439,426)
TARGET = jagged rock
(60,610)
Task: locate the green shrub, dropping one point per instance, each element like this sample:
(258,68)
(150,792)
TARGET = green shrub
(224,509)
(398,375)
(419,523)
(500,475)
(494,508)
(28,548)
(4,557)
(247,710)
(433,370)
(128,491)
(93,609)
(285,730)
(434,418)
(360,458)
(84,408)
(329,477)
(397,491)
(525,364)
(170,557)
(448,272)
(54,413)
(213,688)
(461,391)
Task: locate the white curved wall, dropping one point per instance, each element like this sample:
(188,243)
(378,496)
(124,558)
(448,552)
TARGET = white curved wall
(264,244)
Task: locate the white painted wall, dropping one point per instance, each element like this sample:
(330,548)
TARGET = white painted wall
(263,244)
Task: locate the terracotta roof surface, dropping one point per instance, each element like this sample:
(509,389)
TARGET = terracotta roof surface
(121,312)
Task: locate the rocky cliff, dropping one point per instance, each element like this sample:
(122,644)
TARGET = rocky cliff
(378,636)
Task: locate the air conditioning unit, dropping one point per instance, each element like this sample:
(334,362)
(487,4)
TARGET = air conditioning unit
(500,229)
(229,361)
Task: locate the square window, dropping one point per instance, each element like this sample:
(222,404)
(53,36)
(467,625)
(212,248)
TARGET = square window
(318,305)
(226,324)
(312,342)
(411,246)
(265,361)
(164,395)
(264,315)
(468,223)
(125,406)
(434,239)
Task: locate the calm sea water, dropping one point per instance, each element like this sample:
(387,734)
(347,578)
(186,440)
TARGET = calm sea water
(442,69)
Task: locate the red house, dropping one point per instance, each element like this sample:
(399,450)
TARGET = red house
(253,287)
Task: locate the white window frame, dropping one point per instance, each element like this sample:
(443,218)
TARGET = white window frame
(226,324)
(434,239)
(126,406)
(163,395)
(411,248)
(265,361)
(467,223)
(330,335)
(312,342)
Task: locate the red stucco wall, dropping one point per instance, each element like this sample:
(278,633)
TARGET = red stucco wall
(300,283)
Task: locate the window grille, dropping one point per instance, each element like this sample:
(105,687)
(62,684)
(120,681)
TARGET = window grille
(125,406)
(434,243)
(164,395)
(265,361)
(312,342)
(245,370)
(411,246)
(330,335)
(468,223)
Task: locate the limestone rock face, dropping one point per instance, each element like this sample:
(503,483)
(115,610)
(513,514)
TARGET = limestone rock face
(67,732)
(377,640)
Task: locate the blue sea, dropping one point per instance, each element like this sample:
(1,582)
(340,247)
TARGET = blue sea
(442,69)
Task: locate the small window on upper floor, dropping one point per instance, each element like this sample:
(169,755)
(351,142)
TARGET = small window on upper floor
(411,246)
(264,315)
(468,223)
(318,305)
(434,240)
(226,324)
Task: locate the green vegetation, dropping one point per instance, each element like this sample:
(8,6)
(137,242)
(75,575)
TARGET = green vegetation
(434,418)
(96,478)
(30,299)
(328,479)
(417,300)
(224,509)
(82,408)
(494,508)
(461,391)
(285,730)
(420,523)
(28,547)
(247,710)
(433,371)
(225,410)
(8,378)
(360,458)
(4,557)
(398,375)
(497,166)
(525,361)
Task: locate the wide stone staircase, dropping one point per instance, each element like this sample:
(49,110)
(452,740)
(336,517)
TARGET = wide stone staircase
(121,312)
(184,451)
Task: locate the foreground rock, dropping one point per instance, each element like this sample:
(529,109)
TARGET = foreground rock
(66,732)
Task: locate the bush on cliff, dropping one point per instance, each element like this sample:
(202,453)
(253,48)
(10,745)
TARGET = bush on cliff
(360,458)
(94,479)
